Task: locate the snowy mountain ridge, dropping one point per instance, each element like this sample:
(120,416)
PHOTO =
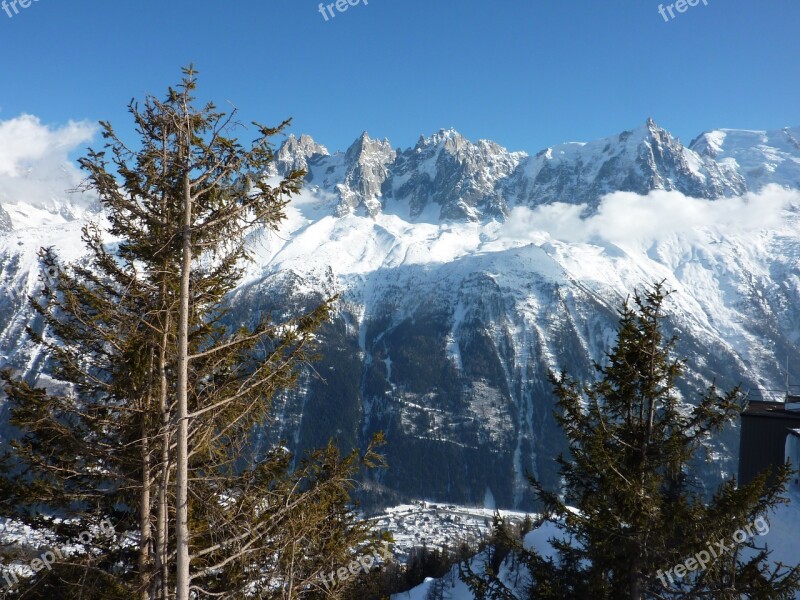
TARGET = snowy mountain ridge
(467,272)
(459,179)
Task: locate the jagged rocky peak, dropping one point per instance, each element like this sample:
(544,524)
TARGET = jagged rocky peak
(447,176)
(448,139)
(461,178)
(646,139)
(366,149)
(366,168)
(640,160)
(662,160)
(305,144)
(294,154)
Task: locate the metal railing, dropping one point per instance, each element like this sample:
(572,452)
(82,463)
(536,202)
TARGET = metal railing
(791,394)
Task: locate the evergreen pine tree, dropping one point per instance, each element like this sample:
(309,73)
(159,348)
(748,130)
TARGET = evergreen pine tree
(638,515)
(148,423)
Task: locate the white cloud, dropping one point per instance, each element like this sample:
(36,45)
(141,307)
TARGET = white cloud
(35,168)
(625,217)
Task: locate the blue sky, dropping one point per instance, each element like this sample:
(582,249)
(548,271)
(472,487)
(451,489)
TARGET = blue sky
(525,73)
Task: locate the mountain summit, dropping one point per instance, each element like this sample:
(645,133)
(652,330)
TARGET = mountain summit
(447,177)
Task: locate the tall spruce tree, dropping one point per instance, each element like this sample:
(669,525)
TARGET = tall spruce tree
(156,396)
(631,442)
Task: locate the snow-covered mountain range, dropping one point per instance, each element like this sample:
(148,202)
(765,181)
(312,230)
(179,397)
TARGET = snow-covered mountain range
(466,272)
(458,179)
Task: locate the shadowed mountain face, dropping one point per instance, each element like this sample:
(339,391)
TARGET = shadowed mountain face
(456,301)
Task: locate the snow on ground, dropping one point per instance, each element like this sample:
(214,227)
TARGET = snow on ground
(783,539)
(437,525)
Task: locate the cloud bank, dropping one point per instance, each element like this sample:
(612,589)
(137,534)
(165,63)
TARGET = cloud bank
(35,168)
(625,217)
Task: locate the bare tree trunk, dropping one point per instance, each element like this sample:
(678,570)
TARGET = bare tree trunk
(144,512)
(159,589)
(182,493)
(162,590)
(160,585)
(636,586)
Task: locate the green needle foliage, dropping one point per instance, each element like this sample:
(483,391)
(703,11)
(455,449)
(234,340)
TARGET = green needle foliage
(638,515)
(99,437)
